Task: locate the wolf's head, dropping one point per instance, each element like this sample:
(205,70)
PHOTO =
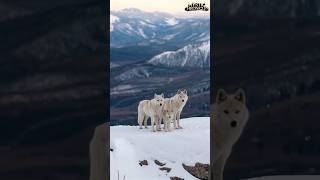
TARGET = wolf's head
(168,114)
(230,109)
(182,95)
(159,99)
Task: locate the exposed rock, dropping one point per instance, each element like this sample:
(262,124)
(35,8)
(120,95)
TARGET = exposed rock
(165,169)
(144,162)
(159,163)
(200,170)
(176,178)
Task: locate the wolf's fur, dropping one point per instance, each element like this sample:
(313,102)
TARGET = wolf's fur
(230,116)
(153,109)
(179,100)
(167,114)
(99,155)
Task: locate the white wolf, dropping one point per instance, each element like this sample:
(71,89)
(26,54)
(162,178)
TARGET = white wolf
(178,101)
(167,114)
(230,115)
(153,109)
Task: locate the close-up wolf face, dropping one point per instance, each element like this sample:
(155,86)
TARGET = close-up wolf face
(231,109)
(159,99)
(182,95)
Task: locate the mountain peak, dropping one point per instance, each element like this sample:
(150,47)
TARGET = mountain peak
(131,10)
(190,56)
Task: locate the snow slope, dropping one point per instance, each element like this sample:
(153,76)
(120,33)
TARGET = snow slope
(131,145)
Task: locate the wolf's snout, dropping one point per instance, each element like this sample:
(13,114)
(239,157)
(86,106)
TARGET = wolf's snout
(160,104)
(182,100)
(233,124)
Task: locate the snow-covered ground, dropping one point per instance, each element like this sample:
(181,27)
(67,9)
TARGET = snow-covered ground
(131,145)
(293,177)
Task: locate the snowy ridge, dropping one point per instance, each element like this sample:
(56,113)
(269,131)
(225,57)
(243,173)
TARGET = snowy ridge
(188,56)
(172,21)
(113,19)
(113,65)
(133,73)
(131,145)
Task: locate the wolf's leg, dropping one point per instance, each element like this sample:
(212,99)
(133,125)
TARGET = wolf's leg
(218,169)
(153,123)
(169,125)
(140,118)
(156,122)
(165,125)
(159,123)
(178,119)
(99,155)
(177,126)
(175,121)
(145,121)
(218,166)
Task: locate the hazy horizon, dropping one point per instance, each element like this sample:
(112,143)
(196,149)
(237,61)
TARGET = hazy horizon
(173,7)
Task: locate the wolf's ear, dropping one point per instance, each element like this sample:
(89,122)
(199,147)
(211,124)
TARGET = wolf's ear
(240,96)
(221,96)
(179,91)
(185,91)
(155,95)
(162,95)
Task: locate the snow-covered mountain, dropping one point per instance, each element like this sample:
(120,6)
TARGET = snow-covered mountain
(189,56)
(131,27)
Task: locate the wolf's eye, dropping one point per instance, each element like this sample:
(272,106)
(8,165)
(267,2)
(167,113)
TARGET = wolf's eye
(158,100)
(226,111)
(237,111)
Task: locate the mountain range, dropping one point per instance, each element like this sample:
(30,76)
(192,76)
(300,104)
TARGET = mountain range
(139,35)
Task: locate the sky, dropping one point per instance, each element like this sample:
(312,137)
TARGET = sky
(175,7)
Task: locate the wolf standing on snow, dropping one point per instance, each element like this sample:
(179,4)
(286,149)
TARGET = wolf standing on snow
(230,115)
(178,101)
(167,114)
(153,109)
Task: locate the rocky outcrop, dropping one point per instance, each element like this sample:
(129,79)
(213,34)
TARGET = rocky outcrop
(199,170)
